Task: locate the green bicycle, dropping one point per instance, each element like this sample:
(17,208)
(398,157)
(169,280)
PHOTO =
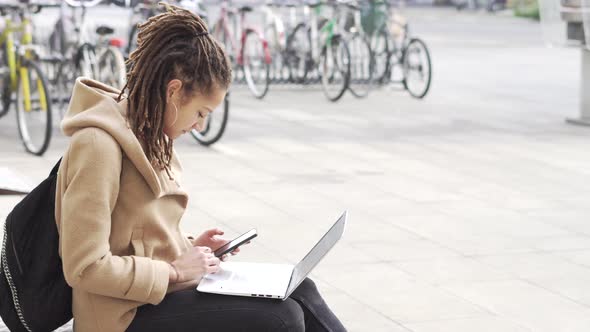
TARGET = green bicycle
(20,75)
(398,56)
(319,45)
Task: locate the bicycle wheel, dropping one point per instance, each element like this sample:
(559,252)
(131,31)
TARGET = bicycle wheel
(66,77)
(380,47)
(86,61)
(221,36)
(335,68)
(255,64)
(417,68)
(132,41)
(278,70)
(33,108)
(50,67)
(298,53)
(111,68)
(361,66)
(215,124)
(5,88)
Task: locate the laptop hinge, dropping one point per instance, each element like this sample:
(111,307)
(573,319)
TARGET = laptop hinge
(289,284)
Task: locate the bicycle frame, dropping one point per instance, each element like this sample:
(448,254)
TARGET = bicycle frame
(243,31)
(328,30)
(276,22)
(222,23)
(15,58)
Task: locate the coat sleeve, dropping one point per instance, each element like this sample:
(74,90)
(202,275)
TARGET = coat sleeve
(93,175)
(189,237)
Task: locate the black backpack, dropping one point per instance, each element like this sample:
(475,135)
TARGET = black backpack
(34,295)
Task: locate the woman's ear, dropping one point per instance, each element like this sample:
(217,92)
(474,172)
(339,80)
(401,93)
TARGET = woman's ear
(173,88)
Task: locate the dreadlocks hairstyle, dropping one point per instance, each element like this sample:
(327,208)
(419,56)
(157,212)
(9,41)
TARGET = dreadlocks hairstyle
(173,45)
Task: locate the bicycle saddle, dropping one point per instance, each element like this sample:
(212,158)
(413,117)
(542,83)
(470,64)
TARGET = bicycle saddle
(245,9)
(104,30)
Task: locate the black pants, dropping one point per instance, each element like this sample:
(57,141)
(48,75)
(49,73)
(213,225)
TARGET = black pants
(189,310)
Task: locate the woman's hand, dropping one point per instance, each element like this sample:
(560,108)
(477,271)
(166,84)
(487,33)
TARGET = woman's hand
(193,265)
(210,239)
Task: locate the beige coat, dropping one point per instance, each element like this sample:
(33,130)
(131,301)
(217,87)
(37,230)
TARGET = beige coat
(118,218)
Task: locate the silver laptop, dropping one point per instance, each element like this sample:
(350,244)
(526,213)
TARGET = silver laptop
(275,281)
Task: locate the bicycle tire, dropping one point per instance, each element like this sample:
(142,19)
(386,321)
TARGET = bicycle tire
(64,81)
(44,101)
(111,68)
(219,34)
(57,40)
(343,68)
(132,40)
(406,65)
(279,72)
(381,50)
(361,66)
(257,80)
(86,61)
(297,60)
(5,83)
(210,135)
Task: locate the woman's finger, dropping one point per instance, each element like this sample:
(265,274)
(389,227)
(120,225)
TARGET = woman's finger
(213,261)
(212,269)
(214,231)
(220,242)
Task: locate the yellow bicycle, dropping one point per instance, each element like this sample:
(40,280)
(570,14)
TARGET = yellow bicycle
(22,78)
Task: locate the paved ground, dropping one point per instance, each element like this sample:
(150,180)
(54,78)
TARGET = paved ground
(468,210)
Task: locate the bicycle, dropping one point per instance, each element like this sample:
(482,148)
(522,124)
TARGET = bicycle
(319,46)
(393,46)
(111,61)
(490,5)
(73,52)
(216,122)
(20,74)
(142,10)
(275,32)
(252,55)
(361,56)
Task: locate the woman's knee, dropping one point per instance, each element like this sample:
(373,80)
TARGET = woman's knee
(307,286)
(291,315)
(308,283)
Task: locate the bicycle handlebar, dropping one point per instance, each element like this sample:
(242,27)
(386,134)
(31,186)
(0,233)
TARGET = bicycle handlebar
(83,3)
(31,5)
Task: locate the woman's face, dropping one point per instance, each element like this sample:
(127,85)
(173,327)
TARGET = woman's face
(180,118)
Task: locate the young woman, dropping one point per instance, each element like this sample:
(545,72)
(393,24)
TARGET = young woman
(119,198)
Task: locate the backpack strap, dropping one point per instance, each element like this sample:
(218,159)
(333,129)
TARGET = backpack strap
(55,168)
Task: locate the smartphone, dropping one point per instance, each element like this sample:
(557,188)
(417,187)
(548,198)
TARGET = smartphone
(235,243)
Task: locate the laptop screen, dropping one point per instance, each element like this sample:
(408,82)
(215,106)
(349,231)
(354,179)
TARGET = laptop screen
(303,268)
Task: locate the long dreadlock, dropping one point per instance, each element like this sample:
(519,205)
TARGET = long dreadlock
(171,45)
